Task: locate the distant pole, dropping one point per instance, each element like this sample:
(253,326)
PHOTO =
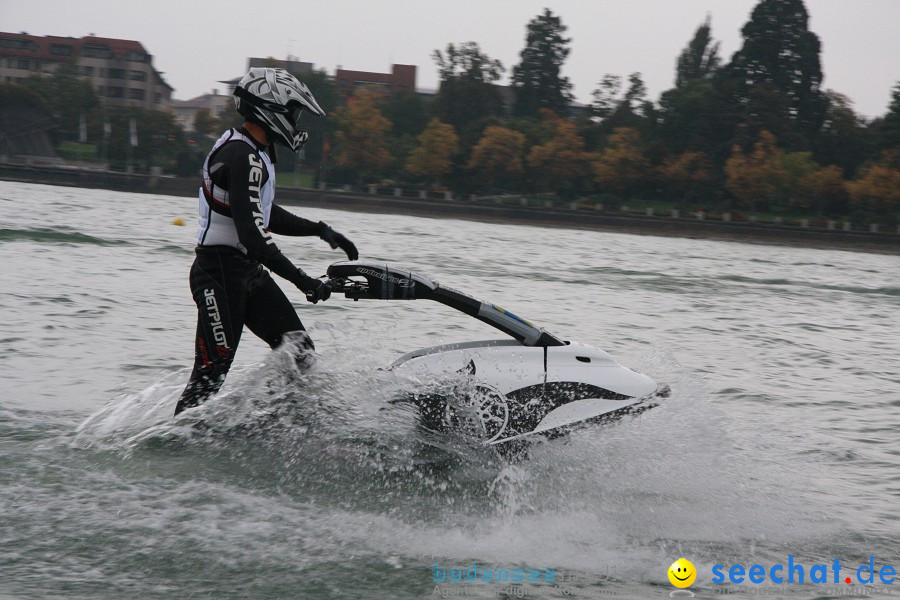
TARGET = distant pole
(132,143)
(106,131)
(82,136)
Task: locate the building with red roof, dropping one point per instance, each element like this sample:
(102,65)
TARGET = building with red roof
(121,71)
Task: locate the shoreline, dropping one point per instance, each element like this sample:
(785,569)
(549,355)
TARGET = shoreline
(486,210)
(774,235)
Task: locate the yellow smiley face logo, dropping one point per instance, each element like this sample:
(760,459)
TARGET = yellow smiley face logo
(682,573)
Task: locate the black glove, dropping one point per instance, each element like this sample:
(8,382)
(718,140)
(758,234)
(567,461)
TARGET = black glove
(315,289)
(337,240)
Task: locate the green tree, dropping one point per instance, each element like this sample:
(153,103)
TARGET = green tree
(67,96)
(700,60)
(467,61)
(776,75)
(537,80)
(467,97)
(695,115)
(497,158)
(406,112)
(617,109)
(160,140)
(25,121)
(320,129)
(205,123)
(607,96)
(361,138)
(433,157)
(889,129)
(795,190)
(844,139)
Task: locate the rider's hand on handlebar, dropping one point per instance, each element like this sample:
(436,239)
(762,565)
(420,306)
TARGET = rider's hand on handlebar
(315,289)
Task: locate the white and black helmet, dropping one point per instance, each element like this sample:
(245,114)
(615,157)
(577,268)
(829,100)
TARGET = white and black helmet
(274,99)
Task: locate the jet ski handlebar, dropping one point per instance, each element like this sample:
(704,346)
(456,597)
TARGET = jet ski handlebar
(369,280)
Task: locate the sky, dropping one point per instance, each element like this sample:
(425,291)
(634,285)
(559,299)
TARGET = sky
(198,43)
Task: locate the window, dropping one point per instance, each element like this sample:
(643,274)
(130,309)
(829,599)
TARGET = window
(157,98)
(136,57)
(115,92)
(18,44)
(87,70)
(115,73)
(96,51)
(61,49)
(23,63)
(137,76)
(136,94)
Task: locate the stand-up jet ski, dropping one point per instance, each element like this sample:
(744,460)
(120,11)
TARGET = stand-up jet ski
(534,383)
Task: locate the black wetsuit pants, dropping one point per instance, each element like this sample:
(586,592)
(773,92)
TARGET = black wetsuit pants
(231,291)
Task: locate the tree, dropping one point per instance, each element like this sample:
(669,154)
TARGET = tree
(467,98)
(362,137)
(878,188)
(825,191)
(408,116)
(204,122)
(695,117)
(320,129)
(700,60)
(889,130)
(686,174)
(796,188)
(498,156)
(160,140)
(754,179)
(622,167)
(406,112)
(844,139)
(561,164)
(607,96)
(616,109)
(67,96)
(433,158)
(537,79)
(777,71)
(468,62)
(25,122)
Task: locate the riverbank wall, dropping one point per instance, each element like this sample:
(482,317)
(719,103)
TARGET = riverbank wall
(505,209)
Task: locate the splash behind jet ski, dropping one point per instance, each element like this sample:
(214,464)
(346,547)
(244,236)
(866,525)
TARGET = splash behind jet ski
(533,383)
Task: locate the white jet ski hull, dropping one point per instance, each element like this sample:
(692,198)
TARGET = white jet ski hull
(535,383)
(517,391)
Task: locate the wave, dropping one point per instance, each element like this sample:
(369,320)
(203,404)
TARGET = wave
(888,291)
(59,236)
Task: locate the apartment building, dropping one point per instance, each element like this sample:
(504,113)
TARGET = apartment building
(121,71)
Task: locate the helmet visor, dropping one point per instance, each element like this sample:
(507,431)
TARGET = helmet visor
(294,115)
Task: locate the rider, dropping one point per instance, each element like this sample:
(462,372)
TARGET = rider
(237,214)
